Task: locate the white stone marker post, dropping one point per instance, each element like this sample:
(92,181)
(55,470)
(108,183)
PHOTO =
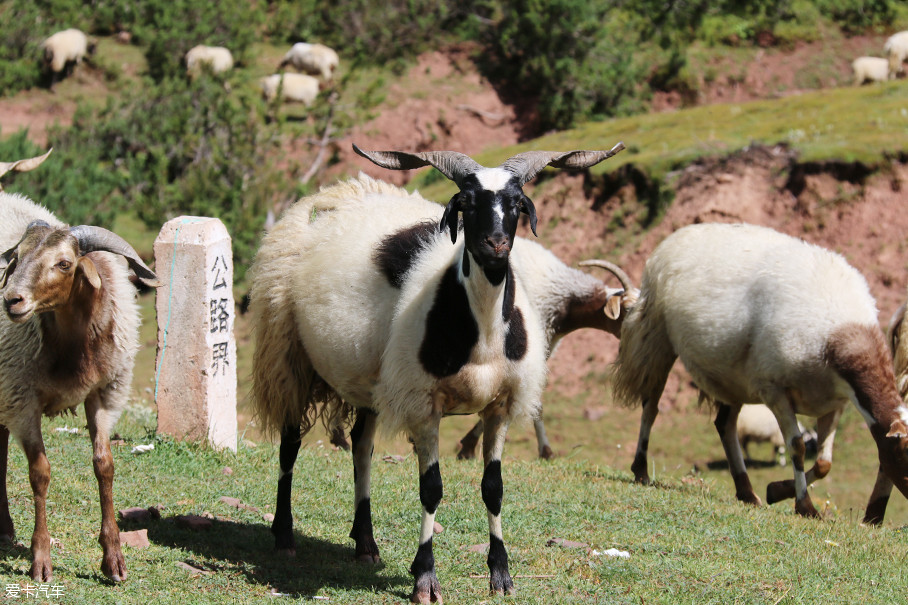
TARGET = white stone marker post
(195,371)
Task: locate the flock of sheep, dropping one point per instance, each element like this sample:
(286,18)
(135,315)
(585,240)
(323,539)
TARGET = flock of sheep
(316,64)
(374,304)
(888,67)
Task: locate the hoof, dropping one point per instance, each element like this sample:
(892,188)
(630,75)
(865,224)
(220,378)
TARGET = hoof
(427,590)
(806,508)
(286,552)
(749,498)
(546,453)
(41,571)
(114,568)
(779,490)
(368,558)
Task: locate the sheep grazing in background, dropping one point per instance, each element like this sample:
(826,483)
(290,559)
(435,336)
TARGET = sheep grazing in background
(296,88)
(359,299)
(312,59)
(896,49)
(870,69)
(64,50)
(567,300)
(757,424)
(68,335)
(22,165)
(755,316)
(217,58)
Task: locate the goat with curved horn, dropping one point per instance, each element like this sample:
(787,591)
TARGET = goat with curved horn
(93,238)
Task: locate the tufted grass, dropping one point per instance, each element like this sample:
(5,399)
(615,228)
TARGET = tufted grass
(688,540)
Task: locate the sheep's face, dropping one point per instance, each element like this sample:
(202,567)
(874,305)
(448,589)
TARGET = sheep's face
(41,272)
(491,202)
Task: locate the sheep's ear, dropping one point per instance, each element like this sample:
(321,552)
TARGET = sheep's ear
(613,305)
(898,429)
(90,272)
(527,207)
(449,218)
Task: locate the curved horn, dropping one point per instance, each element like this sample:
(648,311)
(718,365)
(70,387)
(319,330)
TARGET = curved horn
(97,238)
(452,164)
(23,165)
(614,269)
(528,164)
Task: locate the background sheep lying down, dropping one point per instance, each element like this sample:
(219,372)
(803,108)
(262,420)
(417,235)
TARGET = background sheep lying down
(68,334)
(358,297)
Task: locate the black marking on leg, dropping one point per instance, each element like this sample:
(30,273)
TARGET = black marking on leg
(465,265)
(499,576)
(426,588)
(282,526)
(361,532)
(395,254)
(430,488)
(722,417)
(492,487)
(451,329)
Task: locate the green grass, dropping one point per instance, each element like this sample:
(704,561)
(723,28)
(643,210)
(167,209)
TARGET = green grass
(851,124)
(689,542)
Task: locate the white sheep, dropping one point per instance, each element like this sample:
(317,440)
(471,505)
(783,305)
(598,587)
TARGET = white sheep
(870,69)
(757,424)
(217,58)
(758,316)
(298,88)
(896,49)
(66,49)
(312,59)
(68,335)
(359,298)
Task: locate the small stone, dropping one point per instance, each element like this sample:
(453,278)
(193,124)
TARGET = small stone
(135,539)
(193,522)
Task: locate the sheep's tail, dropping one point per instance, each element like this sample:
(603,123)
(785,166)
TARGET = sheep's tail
(286,390)
(898,347)
(645,355)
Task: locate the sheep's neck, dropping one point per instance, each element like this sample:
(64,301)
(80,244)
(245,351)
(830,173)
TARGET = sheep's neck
(71,332)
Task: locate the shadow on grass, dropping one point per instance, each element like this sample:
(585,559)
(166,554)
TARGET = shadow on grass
(248,549)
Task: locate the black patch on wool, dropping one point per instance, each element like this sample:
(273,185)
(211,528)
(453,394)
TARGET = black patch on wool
(395,254)
(515,340)
(451,329)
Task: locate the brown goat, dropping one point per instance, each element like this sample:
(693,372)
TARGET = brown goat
(69,335)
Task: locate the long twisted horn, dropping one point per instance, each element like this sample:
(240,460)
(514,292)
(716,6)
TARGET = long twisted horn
(92,238)
(614,269)
(452,164)
(528,164)
(23,165)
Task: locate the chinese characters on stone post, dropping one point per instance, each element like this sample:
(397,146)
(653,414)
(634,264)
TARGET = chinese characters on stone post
(219,316)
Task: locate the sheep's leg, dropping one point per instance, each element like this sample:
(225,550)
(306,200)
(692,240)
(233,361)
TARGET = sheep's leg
(879,499)
(363,437)
(826,428)
(727,425)
(282,526)
(426,588)
(650,411)
(469,442)
(113,565)
(496,428)
(7,530)
(788,422)
(39,478)
(542,440)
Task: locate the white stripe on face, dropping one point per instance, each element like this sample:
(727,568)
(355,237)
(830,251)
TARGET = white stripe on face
(493,179)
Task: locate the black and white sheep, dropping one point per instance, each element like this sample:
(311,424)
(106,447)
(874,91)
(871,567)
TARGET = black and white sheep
(66,49)
(68,335)
(567,300)
(758,316)
(359,298)
(313,59)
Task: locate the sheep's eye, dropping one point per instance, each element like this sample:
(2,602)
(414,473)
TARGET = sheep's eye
(64,265)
